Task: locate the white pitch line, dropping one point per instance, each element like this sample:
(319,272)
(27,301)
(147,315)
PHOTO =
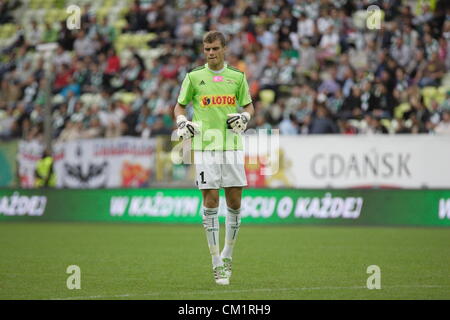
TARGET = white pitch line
(239,291)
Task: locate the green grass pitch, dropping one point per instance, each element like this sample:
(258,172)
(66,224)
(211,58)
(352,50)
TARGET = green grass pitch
(148,261)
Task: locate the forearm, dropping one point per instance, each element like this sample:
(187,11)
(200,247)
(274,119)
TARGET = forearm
(249,108)
(437,75)
(179,110)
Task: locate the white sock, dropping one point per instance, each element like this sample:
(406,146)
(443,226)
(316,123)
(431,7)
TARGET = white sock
(211,225)
(233,222)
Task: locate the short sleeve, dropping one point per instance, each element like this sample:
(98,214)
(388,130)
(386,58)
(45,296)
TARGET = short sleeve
(244,97)
(186,92)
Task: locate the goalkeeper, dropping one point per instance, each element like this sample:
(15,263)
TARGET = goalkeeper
(217,91)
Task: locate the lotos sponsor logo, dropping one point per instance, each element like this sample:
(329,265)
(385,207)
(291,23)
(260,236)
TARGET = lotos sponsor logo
(218,101)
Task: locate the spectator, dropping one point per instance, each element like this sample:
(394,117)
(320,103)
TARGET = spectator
(60,58)
(346,128)
(322,123)
(50,34)
(7,122)
(111,120)
(83,45)
(381,103)
(372,125)
(400,52)
(443,127)
(158,127)
(136,18)
(305,27)
(351,107)
(34,34)
(95,130)
(72,131)
(289,125)
(328,46)
(401,127)
(306,52)
(433,72)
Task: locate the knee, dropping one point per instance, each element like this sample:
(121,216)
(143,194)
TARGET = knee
(211,200)
(233,196)
(234,203)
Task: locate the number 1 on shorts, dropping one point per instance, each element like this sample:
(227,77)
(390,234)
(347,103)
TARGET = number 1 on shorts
(202,174)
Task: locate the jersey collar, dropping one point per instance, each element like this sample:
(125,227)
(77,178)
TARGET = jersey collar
(218,71)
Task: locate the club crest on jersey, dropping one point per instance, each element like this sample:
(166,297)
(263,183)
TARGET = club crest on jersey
(218,100)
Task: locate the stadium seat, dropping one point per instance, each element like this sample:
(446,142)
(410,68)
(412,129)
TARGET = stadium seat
(355,123)
(57,99)
(126,97)
(441,94)
(429,94)
(120,24)
(434,93)
(401,109)
(102,12)
(446,81)
(267,97)
(387,124)
(7,30)
(87,99)
(4,43)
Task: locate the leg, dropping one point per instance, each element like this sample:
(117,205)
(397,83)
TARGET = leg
(208,179)
(234,179)
(210,198)
(233,196)
(233,220)
(211,223)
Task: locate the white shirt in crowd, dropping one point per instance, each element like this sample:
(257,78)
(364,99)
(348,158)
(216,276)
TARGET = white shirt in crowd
(330,41)
(323,23)
(442,128)
(305,28)
(84,46)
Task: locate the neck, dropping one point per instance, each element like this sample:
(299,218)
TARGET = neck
(216,67)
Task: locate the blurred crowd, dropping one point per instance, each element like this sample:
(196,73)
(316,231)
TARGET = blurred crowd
(312,68)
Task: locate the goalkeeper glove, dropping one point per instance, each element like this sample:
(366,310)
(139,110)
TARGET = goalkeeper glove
(238,121)
(186,129)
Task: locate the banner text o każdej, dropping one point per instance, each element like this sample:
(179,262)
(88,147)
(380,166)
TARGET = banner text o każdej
(259,206)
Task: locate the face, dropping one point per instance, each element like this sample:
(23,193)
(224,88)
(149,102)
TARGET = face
(446,116)
(214,53)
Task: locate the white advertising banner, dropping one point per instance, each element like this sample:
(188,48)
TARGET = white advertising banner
(325,161)
(104,163)
(313,161)
(27,156)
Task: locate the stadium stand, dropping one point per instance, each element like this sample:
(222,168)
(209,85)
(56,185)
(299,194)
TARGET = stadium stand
(313,66)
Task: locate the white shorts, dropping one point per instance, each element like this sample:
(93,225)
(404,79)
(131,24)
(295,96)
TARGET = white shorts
(220,169)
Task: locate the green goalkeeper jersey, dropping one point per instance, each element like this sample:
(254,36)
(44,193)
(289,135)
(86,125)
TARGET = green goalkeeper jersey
(214,95)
